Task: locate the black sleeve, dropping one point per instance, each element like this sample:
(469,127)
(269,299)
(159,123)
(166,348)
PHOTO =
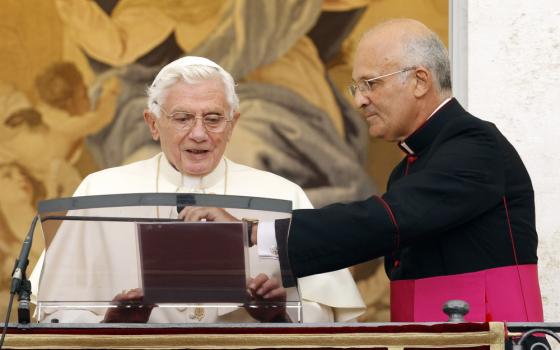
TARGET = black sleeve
(339,235)
(457,182)
(281,228)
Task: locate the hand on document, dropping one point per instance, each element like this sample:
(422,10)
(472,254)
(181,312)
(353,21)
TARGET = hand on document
(128,308)
(268,299)
(206,214)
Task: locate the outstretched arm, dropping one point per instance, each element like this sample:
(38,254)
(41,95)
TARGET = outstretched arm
(77,127)
(118,39)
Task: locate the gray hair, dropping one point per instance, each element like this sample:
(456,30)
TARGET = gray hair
(428,51)
(190,74)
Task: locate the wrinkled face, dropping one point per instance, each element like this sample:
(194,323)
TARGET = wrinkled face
(194,151)
(389,107)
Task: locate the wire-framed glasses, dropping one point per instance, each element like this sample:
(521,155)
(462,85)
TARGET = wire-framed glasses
(366,85)
(183,121)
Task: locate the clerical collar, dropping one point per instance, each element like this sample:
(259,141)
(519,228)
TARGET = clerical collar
(425,134)
(171,180)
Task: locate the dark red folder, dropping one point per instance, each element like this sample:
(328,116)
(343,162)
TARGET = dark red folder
(197,262)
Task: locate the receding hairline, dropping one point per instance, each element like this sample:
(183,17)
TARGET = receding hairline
(401,30)
(407,42)
(405,25)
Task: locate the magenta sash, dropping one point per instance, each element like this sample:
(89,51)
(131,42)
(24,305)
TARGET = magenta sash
(508,293)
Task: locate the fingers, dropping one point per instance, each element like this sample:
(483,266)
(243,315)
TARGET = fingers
(194,214)
(276,294)
(205,214)
(255,283)
(128,308)
(134,294)
(267,288)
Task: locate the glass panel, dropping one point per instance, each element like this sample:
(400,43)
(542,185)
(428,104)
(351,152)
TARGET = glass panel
(99,248)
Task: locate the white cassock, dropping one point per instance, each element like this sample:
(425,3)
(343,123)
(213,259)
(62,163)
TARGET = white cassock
(327,297)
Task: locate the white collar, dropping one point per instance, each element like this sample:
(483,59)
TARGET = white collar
(439,107)
(171,180)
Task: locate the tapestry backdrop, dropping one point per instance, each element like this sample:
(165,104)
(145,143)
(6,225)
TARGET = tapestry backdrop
(73,75)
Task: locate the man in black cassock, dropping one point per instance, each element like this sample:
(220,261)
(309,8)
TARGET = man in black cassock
(458,218)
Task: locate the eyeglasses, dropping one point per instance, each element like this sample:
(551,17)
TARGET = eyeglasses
(183,121)
(366,85)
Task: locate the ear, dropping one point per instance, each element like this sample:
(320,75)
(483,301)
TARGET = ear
(234,120)
(423,81)
(150,120)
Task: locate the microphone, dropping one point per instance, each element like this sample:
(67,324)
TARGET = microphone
(20,283)
(23,260)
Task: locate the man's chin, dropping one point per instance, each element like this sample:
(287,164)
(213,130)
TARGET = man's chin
(375,133)
(196,172)
(196,169)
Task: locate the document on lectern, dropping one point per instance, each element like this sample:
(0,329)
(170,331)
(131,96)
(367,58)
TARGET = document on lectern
(100,247)
(193,262)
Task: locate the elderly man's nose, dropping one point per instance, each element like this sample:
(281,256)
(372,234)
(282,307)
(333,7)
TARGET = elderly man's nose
(360,100)
(198,131)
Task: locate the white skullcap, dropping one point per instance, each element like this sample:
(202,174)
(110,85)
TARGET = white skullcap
(184,62)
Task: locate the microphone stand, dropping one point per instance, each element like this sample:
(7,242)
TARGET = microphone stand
(20,284)
(24,298)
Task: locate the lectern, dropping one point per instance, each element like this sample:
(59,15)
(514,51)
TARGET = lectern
(100,247)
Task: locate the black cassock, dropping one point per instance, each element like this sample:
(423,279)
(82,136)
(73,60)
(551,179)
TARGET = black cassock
(457,222)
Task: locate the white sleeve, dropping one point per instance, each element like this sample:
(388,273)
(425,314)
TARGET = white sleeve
(73,316)
(266,238)
(335,289)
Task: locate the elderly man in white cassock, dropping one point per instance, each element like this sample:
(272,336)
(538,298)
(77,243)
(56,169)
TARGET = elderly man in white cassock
(192,111)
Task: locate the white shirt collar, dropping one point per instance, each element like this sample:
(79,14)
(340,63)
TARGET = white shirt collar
(439,107)
(171,180)
(406,148)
